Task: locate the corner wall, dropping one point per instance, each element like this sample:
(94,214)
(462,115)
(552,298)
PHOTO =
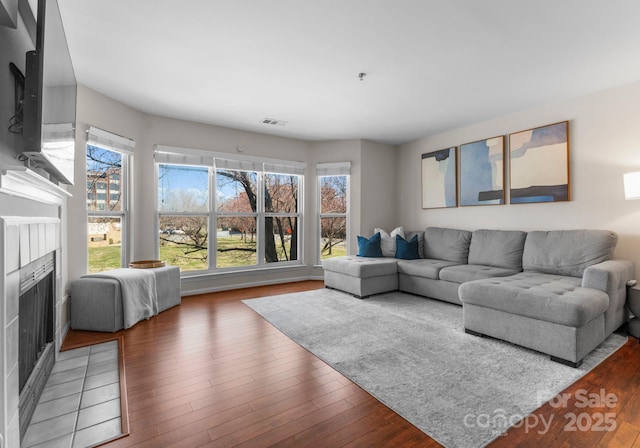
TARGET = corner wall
(379,186)
(604,144)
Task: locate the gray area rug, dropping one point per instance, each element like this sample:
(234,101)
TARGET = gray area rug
(412,354)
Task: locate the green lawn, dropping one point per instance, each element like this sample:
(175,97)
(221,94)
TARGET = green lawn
(108,257)
(103,258)
(336,251)
(230,258)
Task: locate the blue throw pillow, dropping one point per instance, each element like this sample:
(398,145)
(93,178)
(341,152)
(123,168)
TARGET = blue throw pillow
(407,250)
(369,247)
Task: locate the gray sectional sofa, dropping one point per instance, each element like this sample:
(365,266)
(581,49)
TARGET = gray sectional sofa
(558,292)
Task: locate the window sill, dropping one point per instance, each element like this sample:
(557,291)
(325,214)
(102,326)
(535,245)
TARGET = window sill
(187,276)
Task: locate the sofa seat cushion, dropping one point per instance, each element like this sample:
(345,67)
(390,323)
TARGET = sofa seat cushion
(361,267)
(552,298)
(424,267)
(468,272)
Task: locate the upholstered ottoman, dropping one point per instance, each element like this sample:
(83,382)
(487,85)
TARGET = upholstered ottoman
(361,276)
(96,302)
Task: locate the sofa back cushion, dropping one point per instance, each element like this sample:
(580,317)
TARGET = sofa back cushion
(447,244)
(567,252)
(498,248)
(408,234)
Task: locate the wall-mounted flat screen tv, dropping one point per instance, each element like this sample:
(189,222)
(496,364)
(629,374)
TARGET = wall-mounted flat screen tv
(50,98)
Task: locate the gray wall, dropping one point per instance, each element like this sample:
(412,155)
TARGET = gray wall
(605,143)
(379,190)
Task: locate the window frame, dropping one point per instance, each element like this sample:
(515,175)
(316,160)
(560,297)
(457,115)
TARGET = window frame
(223,161)
(332,170)
(298,214)
(125,213)
(160,214)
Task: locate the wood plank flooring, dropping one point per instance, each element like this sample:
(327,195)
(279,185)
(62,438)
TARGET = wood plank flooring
(213,373)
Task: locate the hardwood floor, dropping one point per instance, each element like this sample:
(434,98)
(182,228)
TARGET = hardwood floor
(213,373)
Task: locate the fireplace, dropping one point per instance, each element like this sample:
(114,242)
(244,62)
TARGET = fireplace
(36,323)
(30,318)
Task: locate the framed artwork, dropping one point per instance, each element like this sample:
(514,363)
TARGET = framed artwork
(482,172)
(539,164)
(439,179)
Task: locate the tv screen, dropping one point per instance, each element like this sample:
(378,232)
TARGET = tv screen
(50,98)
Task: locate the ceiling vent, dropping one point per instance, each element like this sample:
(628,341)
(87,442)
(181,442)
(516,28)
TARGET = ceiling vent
(274,122)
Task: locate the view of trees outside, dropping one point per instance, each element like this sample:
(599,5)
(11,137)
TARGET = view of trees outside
(183,204)
(238,207)
(237,224)
(105,208)
(184,216)
(281,221)
(333,216)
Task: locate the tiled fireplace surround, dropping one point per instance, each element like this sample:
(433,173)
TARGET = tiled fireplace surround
(23,239)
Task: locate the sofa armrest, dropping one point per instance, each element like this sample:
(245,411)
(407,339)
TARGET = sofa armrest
(608,276)
(611,277)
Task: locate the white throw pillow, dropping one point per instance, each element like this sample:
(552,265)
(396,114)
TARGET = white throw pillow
(388,241)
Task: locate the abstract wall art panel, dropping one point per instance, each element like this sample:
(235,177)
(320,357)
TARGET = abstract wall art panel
(439,180)
(482,172)
(539,164)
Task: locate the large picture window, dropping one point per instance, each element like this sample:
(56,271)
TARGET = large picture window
(333,201)
(107,167)
(217,213)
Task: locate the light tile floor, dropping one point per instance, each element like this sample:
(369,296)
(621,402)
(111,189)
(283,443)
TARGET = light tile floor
(80,404)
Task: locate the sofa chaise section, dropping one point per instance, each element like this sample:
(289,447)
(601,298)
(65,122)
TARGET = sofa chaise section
(361,276)
(567,301)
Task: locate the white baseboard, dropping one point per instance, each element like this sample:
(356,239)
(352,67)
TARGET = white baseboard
(194,292)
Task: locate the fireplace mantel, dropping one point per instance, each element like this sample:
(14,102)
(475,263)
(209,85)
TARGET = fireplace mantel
(23,182)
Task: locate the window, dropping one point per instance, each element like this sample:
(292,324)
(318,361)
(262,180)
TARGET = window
(333,200)
(250,207)
(183,206)
(281,217)
(236,218)
(108,158)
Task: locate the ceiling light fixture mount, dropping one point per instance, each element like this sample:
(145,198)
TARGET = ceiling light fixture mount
(361,76)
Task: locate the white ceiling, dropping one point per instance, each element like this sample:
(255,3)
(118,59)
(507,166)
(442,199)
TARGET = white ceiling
(431,65)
